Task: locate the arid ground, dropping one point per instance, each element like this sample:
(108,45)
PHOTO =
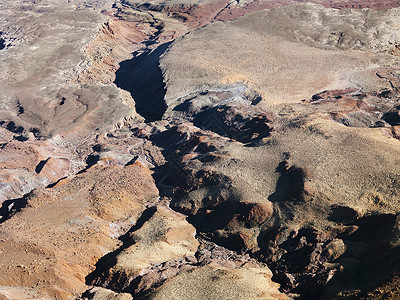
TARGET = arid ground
(199,149)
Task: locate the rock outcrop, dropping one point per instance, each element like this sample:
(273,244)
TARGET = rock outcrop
(193,149)
(59,233)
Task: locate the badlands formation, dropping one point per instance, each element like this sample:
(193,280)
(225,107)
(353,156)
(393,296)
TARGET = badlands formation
(189,149)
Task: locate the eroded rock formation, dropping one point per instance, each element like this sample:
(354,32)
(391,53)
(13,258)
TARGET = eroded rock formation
(199,149)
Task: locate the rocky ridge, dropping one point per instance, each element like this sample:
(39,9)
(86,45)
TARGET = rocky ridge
(150,166)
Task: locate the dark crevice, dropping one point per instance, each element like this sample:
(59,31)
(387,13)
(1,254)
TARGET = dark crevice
(228,122)
(11,126)
(290,185)
(20,138)
(21,110)
(2,43)
(97,148)
(393,118)
(36,133)
(40,165)
(146,215)
(104,264)
(141,76)
(132,161)
(91,160)
(51,185)
(11,207)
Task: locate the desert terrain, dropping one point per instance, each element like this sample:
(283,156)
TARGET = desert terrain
(199,149)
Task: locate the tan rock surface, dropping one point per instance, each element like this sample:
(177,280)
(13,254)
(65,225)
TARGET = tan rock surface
(98,293)
(59,235)
(287,54)
(42,57)
(271,138)
(165,236)
(26,165)
(217,282)
(325,166)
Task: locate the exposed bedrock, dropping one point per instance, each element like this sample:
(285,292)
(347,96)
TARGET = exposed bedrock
(303,231)
(61,232)
(295,52)
(38,94)
(211,272)
(199,13)
(159,235)
(297,229)
(250,159)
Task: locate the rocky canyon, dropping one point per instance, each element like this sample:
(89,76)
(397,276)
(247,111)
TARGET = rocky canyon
(199,149)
